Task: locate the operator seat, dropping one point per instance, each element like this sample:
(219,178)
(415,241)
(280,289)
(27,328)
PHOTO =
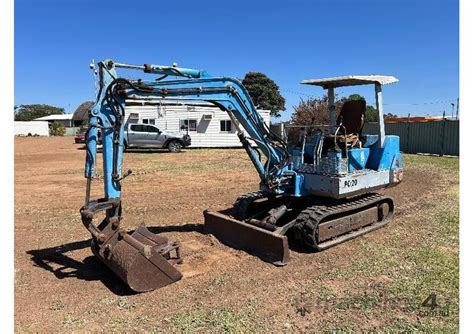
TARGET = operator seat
(352,118)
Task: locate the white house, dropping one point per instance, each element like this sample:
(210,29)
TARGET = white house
(31,128)
(64,119)
(208,126)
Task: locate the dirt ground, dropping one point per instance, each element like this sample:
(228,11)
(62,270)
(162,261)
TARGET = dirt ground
(376,282)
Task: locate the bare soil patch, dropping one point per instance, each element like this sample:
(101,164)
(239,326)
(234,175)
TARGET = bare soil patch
(60,286)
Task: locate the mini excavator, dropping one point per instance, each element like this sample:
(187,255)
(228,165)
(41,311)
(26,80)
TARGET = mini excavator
(317,184)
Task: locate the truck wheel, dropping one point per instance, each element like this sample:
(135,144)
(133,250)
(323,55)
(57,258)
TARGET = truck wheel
(174,146)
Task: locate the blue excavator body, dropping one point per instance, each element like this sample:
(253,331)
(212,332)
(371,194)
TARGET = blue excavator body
(317,183)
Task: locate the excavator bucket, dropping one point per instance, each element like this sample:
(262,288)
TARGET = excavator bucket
(267,243)
(142,260)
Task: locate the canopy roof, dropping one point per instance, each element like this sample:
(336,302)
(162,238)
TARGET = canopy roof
(351,80)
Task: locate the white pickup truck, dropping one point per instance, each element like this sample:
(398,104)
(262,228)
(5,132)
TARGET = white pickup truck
(149,136)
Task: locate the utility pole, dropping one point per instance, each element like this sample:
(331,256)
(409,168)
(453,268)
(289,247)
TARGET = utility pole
(457,108)
(452,110)
(408,134)
(443,134)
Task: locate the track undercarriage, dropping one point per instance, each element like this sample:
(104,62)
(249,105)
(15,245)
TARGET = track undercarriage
(313,222)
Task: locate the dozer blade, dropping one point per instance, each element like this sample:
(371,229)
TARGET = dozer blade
(270,246)
(142,260)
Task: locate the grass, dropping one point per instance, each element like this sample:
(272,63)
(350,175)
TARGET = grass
(124,305)
(421,258)
(383,287)
(199,160)
(117,323)
(57,306)
(430,162)
(221,320)
(70,321)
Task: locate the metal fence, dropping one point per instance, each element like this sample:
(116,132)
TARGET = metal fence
(437,137)
(71,131)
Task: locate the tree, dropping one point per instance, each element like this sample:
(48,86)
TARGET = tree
(29,112)
(389,115)
(314,111)
(57,129)
(264,92)
(353,97)
(311,111)
(371,114)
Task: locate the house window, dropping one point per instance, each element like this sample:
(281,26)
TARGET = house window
(148,121)
(226,126)
(134,116)
(191,124)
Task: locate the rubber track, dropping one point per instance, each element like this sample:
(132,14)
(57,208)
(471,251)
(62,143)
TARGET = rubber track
(242,204)
(309,219)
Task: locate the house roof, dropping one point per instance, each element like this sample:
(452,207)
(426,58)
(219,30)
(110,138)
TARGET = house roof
(82,111)
(351,80)
(58,117)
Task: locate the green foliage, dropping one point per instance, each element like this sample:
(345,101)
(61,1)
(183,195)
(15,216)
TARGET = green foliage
(371,114)
(311,111)
(264,92)
(57,129)
(389,115)
(354,97)
(29,112)
(315,110)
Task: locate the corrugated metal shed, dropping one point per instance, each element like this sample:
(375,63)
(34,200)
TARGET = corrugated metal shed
(436,137)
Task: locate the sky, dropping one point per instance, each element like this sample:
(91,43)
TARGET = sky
(417,41)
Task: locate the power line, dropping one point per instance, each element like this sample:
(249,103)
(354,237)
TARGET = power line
(419,104)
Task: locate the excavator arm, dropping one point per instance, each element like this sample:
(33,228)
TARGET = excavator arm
(142,259)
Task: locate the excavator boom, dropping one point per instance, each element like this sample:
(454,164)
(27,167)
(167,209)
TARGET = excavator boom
(141,259)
